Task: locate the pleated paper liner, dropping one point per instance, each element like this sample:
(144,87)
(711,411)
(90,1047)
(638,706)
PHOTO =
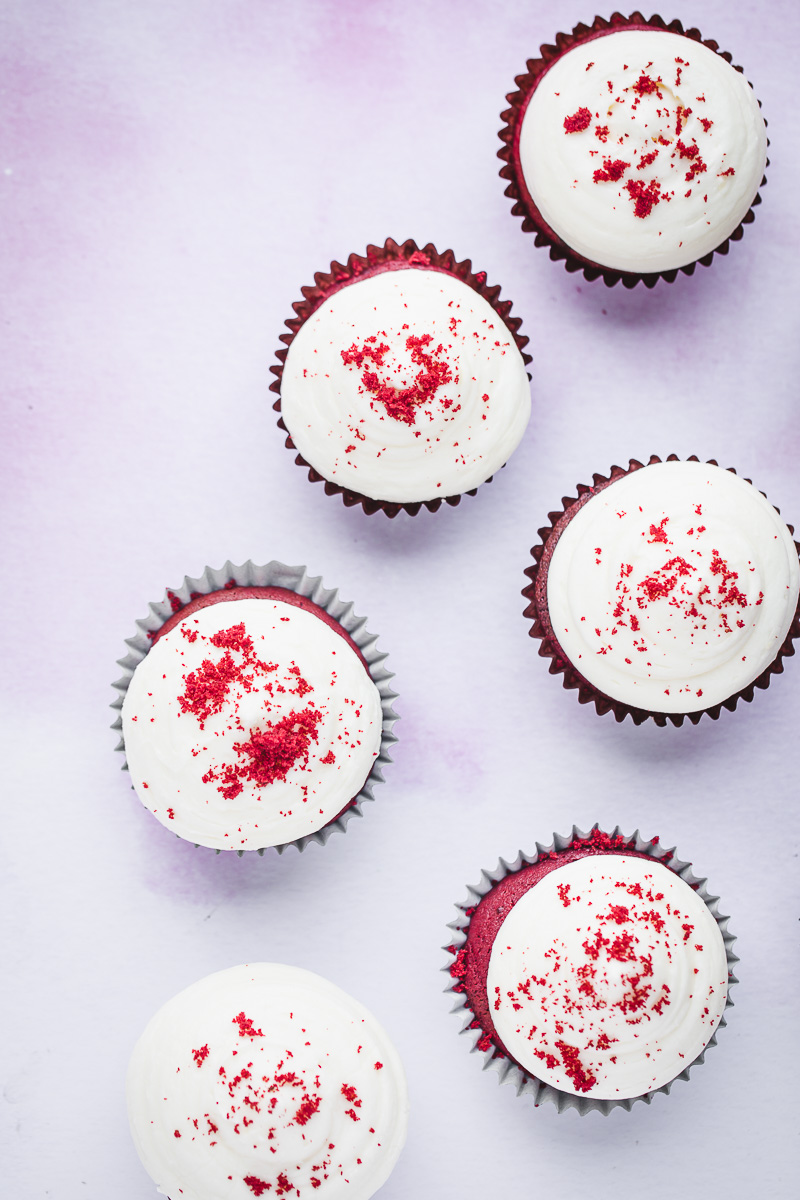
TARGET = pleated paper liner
(537,612)
(391,256)
(293,579)
(523,204)
(486,1043)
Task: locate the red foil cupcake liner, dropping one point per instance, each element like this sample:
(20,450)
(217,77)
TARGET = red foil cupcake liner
(391,256)
(486,1043)
(523,205)
(538,612)
(293,579)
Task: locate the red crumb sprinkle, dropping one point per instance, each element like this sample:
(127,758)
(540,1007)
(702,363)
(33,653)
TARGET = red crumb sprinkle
(350,1093)
(704,121)
(268,754)
(329,758)
(176,1133)
(579,121)
(658,533)
(256,1185)
(645,86)
(582,1080)
(378,1066)
(601,132)
(200,1055)
(645,196)
(611,171)
(306,1111)
(246,1027)
(730,171)
(402,404)
(646,159)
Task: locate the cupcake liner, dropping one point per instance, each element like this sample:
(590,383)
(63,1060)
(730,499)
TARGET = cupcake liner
(523,205)
(391,256)
(484,1043)
(293,579)
(542,629)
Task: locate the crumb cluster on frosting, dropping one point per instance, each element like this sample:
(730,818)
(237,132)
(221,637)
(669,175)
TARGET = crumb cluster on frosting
(266,1080)
(673,588)
(405,386)
(642,149)
(607,977)
(250,723)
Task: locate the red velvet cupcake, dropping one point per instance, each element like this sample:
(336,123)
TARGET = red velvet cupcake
(592,973)
(255,709)
(633,149)
(402,382)
(665,591)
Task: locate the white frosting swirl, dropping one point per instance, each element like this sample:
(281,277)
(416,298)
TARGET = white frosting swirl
(405,386)
(608,977)
(249,724)
(662,154)
(266,1080)
(673,588)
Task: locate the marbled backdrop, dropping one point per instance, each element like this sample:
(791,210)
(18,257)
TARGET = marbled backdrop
(171,173)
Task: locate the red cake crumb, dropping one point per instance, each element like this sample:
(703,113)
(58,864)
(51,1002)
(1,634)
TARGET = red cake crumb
(579,121)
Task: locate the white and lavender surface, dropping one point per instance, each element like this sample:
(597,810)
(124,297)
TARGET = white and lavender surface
(171,173)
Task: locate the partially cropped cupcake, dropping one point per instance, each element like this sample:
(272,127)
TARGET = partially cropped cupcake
(592,973)
(266,1080)
(255,709)
(403,380)
(665,591)
(633,149)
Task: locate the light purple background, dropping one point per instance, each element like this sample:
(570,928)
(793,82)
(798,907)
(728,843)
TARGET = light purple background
(171,172)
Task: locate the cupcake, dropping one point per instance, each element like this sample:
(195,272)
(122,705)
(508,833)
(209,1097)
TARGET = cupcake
(594,973)
(255,709)
(403,379)
(665,591)
(266,1080)
(633,149)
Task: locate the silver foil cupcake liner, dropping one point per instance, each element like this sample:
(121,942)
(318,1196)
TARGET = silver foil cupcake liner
(293,579)
(495,1059)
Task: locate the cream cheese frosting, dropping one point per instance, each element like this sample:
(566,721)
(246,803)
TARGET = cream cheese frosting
(673,588)
(406,386)
(251,723)
(266,1080)
(642,149)
(608,977)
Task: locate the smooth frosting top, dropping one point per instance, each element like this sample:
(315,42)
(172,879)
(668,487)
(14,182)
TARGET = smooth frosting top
(405,386)
(250,724)
(608,977)
(673,588)
(266,1080)
(642,149)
